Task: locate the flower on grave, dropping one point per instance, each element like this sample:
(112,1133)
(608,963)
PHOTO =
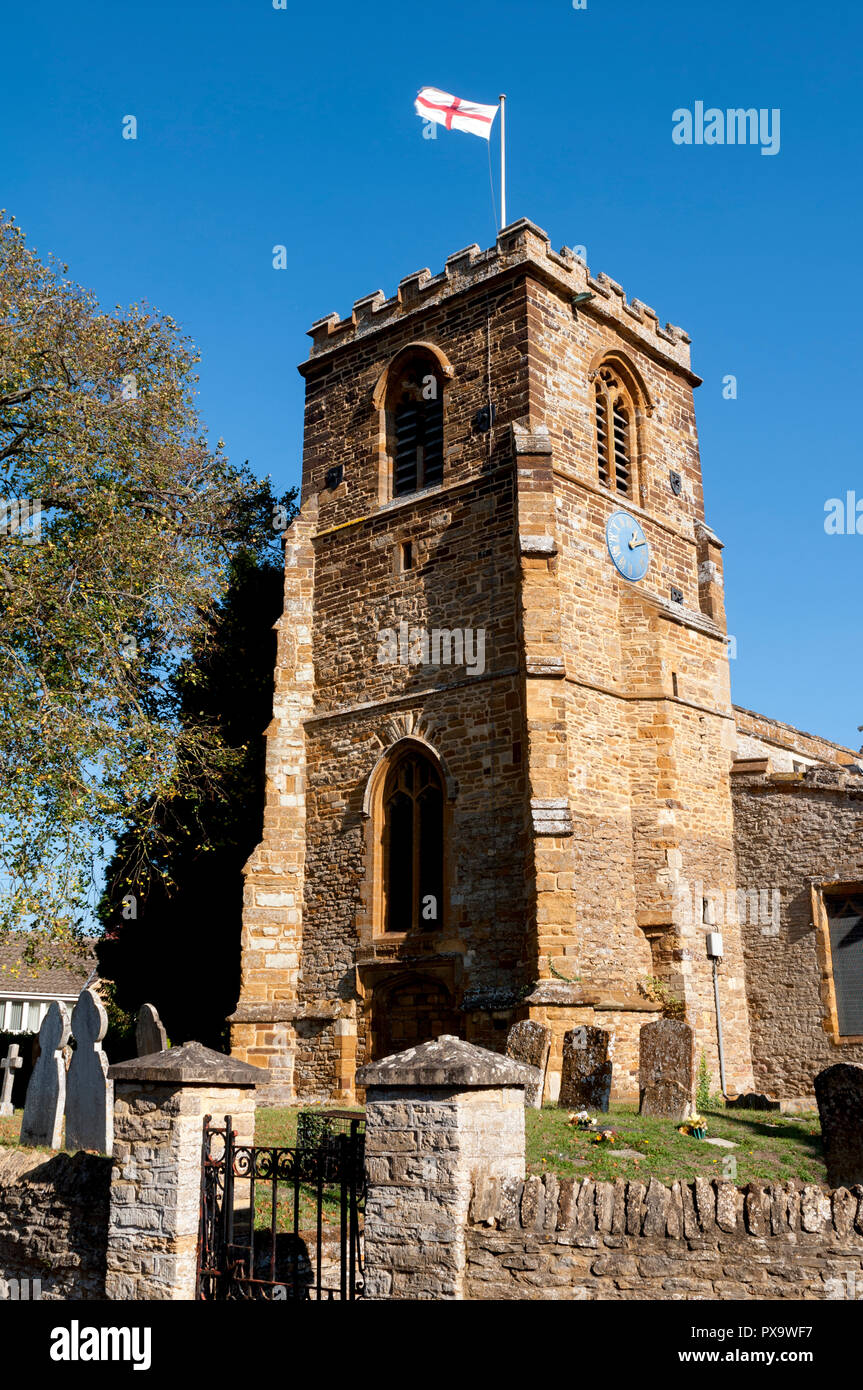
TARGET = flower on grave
(582,1119)
(605,1136)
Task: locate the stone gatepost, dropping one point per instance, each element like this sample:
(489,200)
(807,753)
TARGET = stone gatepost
(435,1115)
(159,1107)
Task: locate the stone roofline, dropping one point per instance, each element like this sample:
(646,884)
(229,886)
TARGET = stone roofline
(788,736)
(521,243)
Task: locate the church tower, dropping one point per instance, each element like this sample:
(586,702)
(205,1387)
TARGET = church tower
(498,767)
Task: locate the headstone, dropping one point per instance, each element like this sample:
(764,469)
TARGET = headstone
(666,1069)
(585,1081)
(150,1035)
(530,1042)
(89,1093)
(10,1064)
(839,1092)
(46,1093)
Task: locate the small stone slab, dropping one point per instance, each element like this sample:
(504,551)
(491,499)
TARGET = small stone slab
(721,1143)
(585,1082)
(751,1100)
(445,1061)
(10,1064)
(530,1042)
(46,1093)
(150,1035)
(839,1092)
(89,1093)
(666,1069)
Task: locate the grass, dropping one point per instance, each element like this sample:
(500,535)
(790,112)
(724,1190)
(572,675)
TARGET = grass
(770,1146)
(10,1133)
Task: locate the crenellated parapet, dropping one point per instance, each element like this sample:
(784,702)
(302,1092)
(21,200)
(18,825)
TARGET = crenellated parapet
(522,243)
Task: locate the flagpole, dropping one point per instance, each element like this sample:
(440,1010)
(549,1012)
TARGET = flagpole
(502,100)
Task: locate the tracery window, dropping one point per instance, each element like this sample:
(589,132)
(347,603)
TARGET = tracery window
(413,846)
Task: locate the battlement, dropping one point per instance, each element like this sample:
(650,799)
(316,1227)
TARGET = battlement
(521,243)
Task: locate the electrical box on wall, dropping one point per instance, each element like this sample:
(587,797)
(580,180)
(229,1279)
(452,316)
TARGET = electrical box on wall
(714,945)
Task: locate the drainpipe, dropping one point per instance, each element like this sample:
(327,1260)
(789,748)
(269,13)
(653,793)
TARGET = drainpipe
(714,953)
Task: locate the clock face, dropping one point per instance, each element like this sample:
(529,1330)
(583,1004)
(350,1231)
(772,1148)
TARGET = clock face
(627,545)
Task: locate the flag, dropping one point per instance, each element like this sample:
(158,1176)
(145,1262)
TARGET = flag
(454,113)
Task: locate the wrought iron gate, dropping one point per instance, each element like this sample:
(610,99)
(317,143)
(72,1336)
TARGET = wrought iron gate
(283,1223)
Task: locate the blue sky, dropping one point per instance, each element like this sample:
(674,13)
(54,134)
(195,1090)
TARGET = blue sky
(259,127)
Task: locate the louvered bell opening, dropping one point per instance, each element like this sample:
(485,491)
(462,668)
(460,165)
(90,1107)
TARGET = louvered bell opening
(433,443)
(602,439)
(621,449)
(407,425)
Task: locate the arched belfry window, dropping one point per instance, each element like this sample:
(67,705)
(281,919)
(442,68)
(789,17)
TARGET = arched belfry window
(413,812)
(415,400)
(615,432)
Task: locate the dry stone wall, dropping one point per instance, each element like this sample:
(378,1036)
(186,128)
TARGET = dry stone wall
(54,1222)
(546,1238)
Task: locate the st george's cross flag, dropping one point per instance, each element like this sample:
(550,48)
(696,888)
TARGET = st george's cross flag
(454,113)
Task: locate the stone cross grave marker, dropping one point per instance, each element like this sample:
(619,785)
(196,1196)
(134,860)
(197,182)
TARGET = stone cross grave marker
(46,1092)
(150,1035)
(530,1042)
(839,1092)
(666,1069)
(89,1093)
(10,1064)
(585,1081)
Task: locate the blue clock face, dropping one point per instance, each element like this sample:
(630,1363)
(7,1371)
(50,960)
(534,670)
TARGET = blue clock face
(627,545)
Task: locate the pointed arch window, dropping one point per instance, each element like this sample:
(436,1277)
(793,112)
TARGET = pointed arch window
(413,806)
(415,424)
(615,432)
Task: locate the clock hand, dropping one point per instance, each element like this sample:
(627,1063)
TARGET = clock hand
(634,544)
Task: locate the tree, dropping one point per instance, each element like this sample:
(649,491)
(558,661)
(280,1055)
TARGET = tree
(118,525)
(173,907)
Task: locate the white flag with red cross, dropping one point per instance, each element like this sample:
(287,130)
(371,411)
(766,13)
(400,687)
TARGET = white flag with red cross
(454,112)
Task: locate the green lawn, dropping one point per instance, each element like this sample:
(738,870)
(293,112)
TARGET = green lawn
(770,1146)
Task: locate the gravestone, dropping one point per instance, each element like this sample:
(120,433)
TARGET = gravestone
(530,1042)
(150,1035)
(585,1081)
(666,1069)
(10,1064)
(839,1092)
(89,1093)
(46,1093)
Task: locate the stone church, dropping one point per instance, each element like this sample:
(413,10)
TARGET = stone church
(505,777)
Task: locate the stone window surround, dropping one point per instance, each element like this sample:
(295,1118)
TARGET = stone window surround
(370,920)
(819,891)
(633,390)
(385,450)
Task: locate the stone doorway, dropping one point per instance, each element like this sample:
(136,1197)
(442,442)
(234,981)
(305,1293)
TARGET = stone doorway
(409,1010)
